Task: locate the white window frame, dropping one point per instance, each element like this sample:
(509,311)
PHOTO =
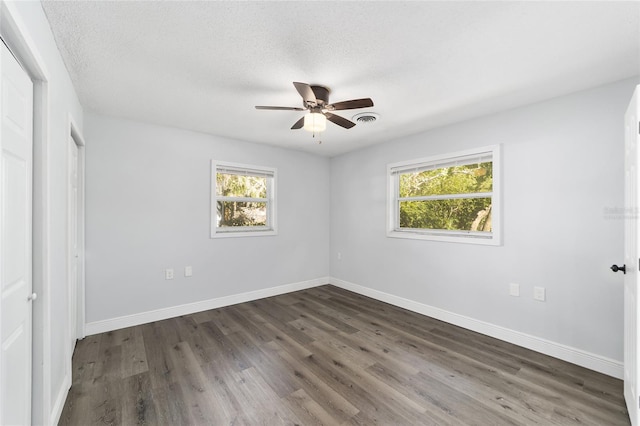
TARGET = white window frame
(470,237)
(244,231)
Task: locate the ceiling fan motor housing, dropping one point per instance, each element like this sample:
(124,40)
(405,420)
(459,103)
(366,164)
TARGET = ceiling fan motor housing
(322,94)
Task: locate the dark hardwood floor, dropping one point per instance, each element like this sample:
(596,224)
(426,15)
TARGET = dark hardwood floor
(326,356)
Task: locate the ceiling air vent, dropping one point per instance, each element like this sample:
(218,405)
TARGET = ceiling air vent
(366,117)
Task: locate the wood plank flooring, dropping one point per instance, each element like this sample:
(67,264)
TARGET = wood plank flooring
(326,356)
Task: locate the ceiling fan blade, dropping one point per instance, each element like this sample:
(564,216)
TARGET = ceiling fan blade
(298,124)
(277,108)
(352,104)
(307,94)
(340,121)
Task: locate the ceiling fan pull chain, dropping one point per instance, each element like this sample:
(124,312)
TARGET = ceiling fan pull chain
(314,135)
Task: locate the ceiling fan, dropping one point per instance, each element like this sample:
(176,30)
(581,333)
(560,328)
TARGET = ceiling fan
(315,99)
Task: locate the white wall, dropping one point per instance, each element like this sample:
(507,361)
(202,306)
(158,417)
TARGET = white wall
(148,208)
(26,29)
(563,166)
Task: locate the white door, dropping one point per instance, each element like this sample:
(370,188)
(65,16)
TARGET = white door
(16,146)
(631,278)
(73,242)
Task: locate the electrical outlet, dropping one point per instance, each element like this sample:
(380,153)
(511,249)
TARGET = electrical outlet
(168,274)
(188,271)
(514,289)
(539,294)
(339,256)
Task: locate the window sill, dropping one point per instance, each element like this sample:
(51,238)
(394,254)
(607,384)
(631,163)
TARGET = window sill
(233,234)
(447,236)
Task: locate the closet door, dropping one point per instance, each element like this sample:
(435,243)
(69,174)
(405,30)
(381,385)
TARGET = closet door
(16,147)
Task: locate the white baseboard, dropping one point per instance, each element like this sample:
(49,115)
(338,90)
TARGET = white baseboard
(190,308)
(582,358)
(61,398)
(585,359)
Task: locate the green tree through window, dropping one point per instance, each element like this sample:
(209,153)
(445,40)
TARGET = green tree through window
(447,198)
(452,197)
(243,200)
(232,211)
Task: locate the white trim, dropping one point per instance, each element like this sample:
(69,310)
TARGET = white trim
(61,398)
(582,358)
(437,160)
(204,305)
(468,156)
(271,174)
(448,196)
(16,35)
(260,232)
(74,326)
(493,238)
(76,136)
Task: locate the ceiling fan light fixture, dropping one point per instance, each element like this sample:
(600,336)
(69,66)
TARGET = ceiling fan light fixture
(315,122)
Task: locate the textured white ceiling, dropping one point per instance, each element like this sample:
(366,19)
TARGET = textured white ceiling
(204,65)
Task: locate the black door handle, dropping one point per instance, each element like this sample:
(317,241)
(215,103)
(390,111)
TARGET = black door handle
(616,268)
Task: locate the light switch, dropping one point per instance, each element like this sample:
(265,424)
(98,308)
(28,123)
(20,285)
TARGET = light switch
(188,271)
(168,274)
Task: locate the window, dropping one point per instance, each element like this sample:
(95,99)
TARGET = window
(454,197)
(243,200)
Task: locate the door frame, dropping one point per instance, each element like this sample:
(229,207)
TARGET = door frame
(15,34)
(76,325)
(631,278)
